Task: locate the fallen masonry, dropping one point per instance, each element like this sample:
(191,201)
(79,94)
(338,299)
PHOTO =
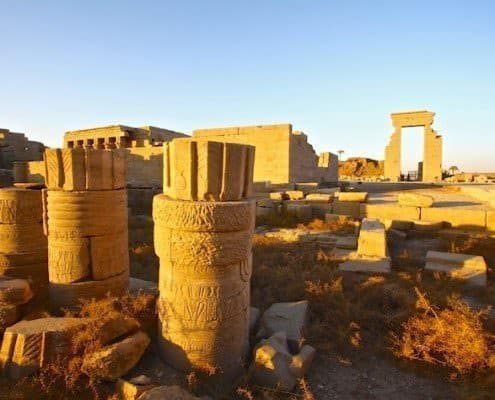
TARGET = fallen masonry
(470,268)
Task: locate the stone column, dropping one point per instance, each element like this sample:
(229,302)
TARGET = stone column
(23,247)
(203,227)
(86,224)
(393,154)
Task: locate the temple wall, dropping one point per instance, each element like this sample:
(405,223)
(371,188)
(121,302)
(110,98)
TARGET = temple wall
(282,155)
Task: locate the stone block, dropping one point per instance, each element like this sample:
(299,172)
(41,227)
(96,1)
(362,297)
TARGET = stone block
(20,206)
(349,208)
(74,169)
(390,212)
(295,194)
(397,224)
(69,260)
(415,200)
(302,212)
(319,197)
(30,345)
(115,360)
(357,263)
(99,169)
(455,217)
(360,197)
(54,175)
(119,169)
(109,255)
(372,240)
(290,318)
(347,242)
(471,268)
(275,367)
(69,295)
(199,170)
(17,238)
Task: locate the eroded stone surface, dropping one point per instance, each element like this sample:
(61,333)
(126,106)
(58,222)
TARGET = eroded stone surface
(290,318)
(115,360)
(29,345)
(415,200)
(466,267)
(275,367)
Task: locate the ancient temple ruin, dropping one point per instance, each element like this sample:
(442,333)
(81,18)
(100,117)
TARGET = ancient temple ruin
(282,155)
(17,147)
(430,170)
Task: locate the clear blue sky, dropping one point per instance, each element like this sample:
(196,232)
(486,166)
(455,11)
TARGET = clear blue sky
(335,69)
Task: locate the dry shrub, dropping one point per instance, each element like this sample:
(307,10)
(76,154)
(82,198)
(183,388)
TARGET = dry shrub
(452,337)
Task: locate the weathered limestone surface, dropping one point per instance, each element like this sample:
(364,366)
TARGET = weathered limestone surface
(23,246)
(275,367)
(205,256)
(360,197)
(86,223)
(348,208)
(372,239)
(115,360)
(29,345)
(295,194)
(282,155)
(415,200)
(202,170)
(464,218)
(84,169)
(290,318)
(466,267)
(390,212)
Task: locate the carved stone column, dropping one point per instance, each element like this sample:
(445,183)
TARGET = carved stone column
(203,228)
(86,225)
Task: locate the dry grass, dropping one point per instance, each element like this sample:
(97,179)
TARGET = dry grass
(452,337)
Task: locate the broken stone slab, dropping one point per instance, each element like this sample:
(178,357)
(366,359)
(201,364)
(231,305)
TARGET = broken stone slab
(415,200)
(275,367)
(467,267)
(30,345)
(167,392)
(295,194)
(14,291)
(115,360)
(331,218)
(290,318)
(372,241)
(359,197)
(357,263)
(347,242)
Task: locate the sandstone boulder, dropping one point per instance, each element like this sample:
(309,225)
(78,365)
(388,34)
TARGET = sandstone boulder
(415,200)
(115,360)
(275,367)
(290,318)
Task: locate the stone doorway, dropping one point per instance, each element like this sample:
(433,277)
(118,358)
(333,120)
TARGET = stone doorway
(430,170)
